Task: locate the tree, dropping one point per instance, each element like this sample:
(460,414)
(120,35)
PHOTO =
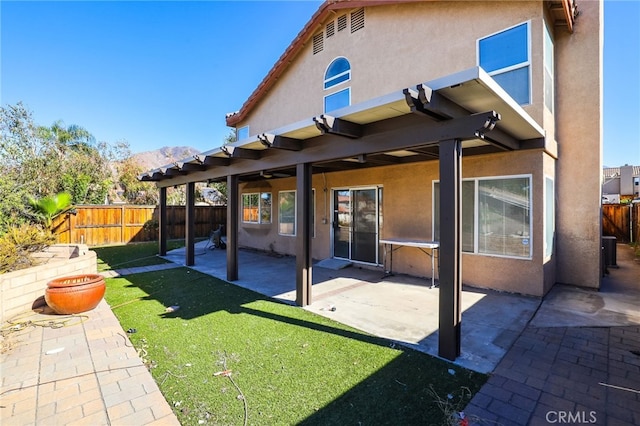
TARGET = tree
(84,170)
(42,161)
(23,151)
(134,190)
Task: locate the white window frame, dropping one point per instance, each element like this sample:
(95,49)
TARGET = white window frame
(295,217)
(526,64)
(328,80)
(324,100)
(476,215)
(547,35)
(334,86)
(549,224)
(240,131)
(260,210)
(295,214)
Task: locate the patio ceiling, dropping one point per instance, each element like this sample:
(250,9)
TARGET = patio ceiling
(401,127)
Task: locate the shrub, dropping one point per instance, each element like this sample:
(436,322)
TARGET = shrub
(19,242)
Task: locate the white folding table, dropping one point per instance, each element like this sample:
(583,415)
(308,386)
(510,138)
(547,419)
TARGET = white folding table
(422,245)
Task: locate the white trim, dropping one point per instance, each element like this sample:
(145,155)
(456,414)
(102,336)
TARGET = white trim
(324,75)
(544,221)
(259,221)
(476,214)
(295,213)
(519,65)
(547,33)
(238,129)
(324,100)
(377,189)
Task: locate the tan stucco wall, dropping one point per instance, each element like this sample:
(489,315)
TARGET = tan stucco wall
(407,213)
(579,135)
(400,46)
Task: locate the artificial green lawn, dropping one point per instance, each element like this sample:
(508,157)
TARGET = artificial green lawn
(292,366)
(132,255)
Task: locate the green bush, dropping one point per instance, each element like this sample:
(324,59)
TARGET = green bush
(19,242)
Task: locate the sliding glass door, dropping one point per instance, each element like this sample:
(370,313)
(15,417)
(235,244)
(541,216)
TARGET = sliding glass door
(356,224)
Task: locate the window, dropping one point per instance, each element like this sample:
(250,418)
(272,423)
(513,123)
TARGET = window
(256,207)
(337,72)
(468,210)
(242,133)
(548,70)
(287,223)
(287,213)
(337,100)
(496,216)
(506,57)
(503,217)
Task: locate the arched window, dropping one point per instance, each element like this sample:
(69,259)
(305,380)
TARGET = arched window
(338,71)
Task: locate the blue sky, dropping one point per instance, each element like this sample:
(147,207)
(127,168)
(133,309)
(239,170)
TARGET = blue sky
(166,73)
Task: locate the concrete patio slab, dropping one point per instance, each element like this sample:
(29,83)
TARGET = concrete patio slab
(401,308)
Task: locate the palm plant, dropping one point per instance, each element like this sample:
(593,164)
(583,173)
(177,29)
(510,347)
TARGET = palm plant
(50,207)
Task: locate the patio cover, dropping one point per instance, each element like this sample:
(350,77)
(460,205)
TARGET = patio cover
(440,119)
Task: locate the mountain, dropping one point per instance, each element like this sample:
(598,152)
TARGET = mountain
(166,155)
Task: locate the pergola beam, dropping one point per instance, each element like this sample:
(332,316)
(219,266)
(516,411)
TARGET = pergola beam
(209,160)
(406,132)
(337,126)
(280,142)
(171,171)
(190,167)
(236,152)
(501,140)
(429,151)
(425,101)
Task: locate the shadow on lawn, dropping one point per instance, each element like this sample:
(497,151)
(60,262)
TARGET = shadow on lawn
(401,393)
(200,294)
(398,393)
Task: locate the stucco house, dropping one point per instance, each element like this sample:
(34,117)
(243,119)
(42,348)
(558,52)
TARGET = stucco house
(467,124)
(620,184)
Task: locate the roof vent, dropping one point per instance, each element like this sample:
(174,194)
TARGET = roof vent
(342,22)
(318,43)
(357,20)
(331,29)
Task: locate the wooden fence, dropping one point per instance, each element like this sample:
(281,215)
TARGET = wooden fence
(621,221)
(97,225)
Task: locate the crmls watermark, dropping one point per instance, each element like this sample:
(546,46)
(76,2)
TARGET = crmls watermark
(571,417)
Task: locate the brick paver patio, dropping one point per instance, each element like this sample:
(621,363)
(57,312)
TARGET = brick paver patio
(86,373)
(578,375)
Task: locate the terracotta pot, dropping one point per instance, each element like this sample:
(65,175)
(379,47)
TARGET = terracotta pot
(75,294)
